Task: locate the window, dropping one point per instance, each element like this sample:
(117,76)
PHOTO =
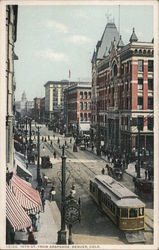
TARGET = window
(81,105)
(89,117)
(141,211)
(81,95)
(122,69)
(140,123)
(150,84)
(85,105)
(115,70)
(150,102)
(140,103)
(150,123)
(128,67)
(140,83)
(89,106)
(124,212)
(134,121)
(140,65)
(89,95)
(85,95)
(85,117)
(133,212)
(150,66)
(81,117)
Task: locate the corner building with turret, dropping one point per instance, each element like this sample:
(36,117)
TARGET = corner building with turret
(122,94)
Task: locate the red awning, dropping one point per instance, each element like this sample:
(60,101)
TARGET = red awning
(16,215)
(26,195)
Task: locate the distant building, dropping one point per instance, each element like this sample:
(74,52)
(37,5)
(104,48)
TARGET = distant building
(24,106)
(122,93)
(54,97)
(77,107)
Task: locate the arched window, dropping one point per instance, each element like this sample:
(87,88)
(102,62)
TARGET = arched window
(85,95)
(115,70)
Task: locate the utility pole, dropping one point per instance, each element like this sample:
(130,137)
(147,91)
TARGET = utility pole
(98,129)
(38,160)
(30,133)
(62,232)
(140,127)
(26,140)
(138,167)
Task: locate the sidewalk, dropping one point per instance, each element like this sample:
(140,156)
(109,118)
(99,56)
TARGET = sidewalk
(48,227)
(49,219)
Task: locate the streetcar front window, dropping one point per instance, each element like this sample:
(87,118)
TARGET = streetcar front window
(124,213)
(141,211)
(133,212)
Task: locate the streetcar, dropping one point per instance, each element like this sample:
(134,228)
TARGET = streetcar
(120,204)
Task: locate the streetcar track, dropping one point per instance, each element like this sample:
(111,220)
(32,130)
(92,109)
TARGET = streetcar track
(85,181)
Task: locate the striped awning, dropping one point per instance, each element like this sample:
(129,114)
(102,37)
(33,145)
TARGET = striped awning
(26,195)
(16,215)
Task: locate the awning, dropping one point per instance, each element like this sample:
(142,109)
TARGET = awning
(26,195)
(21,167)
(16,215)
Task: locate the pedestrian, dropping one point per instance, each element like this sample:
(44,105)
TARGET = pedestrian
(37,222)
(145,174)
(109,157)
(42,193)
(103,171)
(58,140)
(31,239)
(51,142)
(70,140)
(43,204)
(135,167)
(54,154)
(12,235)
(52,193)
(149,174)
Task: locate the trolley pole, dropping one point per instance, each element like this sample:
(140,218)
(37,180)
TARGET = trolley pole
(62,232)
(38,160)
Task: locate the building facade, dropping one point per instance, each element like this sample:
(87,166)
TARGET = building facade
(77,107)
(122,87)
(11,36)
(54,97)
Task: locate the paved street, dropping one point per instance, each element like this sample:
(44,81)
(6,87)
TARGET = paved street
(95,227)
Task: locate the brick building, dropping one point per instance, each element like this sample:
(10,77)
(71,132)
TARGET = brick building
(122,92)
(77,107)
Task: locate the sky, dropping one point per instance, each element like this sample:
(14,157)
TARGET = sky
(51,40)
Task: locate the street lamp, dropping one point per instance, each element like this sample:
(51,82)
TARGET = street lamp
(62,232)
(38,160)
